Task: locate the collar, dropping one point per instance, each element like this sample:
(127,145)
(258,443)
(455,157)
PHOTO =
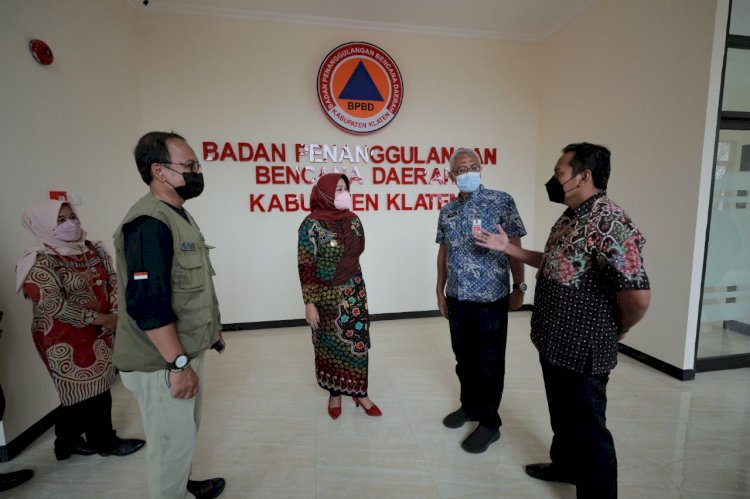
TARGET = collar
(585,206)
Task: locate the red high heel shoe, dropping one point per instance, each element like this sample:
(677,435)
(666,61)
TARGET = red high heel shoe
(371,411)
(334,412)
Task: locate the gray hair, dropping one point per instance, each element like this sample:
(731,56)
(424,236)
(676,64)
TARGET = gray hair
(464,151)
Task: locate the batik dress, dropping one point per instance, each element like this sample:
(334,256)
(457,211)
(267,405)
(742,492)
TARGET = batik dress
(331,278)
(67,291)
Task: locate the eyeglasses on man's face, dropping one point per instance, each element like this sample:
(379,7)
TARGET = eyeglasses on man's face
(466,169)
(194,166)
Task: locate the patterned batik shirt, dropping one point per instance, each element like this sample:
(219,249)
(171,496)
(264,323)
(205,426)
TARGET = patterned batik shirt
(474,273)
(592,253)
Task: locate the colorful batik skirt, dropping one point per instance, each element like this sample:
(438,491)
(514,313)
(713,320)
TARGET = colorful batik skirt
(342,341)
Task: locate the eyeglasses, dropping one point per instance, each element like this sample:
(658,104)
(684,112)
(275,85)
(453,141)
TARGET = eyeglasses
(194,166)
(465,169)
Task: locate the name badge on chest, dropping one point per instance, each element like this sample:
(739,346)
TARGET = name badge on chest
(476,226)
(187,246)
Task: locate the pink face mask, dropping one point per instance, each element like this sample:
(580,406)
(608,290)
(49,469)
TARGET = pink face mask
(70,230)
(343,200)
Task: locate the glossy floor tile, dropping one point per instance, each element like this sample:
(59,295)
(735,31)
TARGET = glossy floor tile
(714,340)
(266,430)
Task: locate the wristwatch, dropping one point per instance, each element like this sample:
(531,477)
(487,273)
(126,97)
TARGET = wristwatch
(522,287)
(180,363)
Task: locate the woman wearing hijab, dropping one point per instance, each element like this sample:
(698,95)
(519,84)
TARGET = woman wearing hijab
(331,238)
(73,287)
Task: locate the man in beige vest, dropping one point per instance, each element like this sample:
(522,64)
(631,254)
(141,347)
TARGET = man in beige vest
(171,315)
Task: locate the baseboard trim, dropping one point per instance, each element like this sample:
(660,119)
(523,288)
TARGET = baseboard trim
(659,365)
(18,444)
(738,327)
(249,326)
(734,361)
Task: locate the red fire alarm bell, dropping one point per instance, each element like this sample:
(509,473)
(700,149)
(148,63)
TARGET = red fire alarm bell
(41,52)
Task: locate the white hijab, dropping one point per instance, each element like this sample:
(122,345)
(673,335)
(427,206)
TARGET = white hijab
(41,220)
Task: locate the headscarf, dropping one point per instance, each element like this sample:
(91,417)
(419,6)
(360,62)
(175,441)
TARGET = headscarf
(41,220)
(350,234)
(321,199)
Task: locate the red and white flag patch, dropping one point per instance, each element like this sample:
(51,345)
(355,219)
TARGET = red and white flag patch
(139,276)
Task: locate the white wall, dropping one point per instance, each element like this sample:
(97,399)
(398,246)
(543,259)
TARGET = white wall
(635,77)
(218,79)
(69,126)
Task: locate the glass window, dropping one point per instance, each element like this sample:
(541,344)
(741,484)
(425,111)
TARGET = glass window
(737,81)
(725,316)
(739,24)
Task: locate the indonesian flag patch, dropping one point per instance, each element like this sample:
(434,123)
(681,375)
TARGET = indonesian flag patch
(139,276)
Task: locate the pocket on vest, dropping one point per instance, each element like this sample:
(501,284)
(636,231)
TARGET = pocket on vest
(193,328)
(188,274)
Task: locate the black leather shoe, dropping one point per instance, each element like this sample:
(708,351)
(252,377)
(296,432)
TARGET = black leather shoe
(14,478)
(548,472)
(456,419)
(480,440)
(82,449)
(124,447)
(206,489)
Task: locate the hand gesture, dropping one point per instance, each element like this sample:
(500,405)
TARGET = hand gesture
(486,239)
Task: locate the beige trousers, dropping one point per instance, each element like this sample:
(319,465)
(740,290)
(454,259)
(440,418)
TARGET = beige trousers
(171,426)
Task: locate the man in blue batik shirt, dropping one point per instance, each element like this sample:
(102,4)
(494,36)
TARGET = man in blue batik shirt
(474,294)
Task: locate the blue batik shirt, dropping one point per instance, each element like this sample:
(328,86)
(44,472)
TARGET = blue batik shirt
(474,273)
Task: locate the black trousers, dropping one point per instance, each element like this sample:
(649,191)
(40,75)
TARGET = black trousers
(93,417)
(479,333)
(582,446)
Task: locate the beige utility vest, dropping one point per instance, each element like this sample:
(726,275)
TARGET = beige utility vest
(193,295)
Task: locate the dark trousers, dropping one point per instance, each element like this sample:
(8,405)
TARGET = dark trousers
(93,417)
(479,332)
(582,446)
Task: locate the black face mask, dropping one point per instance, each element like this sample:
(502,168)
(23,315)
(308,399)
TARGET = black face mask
(555,190)
(193,186)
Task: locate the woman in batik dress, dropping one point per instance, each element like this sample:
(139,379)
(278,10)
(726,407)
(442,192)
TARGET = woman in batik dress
(331,239)
(73,287)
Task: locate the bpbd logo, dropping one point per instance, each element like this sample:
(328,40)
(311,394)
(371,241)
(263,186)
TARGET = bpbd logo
(360,87)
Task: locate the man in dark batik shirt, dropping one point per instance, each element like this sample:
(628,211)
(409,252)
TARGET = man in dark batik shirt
(591,289)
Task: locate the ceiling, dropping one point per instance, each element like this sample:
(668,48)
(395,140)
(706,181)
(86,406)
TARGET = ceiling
(529,20)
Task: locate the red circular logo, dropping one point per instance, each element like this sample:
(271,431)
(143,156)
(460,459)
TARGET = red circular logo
(360,87)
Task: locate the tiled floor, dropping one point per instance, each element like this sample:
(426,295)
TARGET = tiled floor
(266,430)
(714,340)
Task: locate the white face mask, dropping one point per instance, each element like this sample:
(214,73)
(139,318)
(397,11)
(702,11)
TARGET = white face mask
(343,200)
(69,230)
(468,182)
